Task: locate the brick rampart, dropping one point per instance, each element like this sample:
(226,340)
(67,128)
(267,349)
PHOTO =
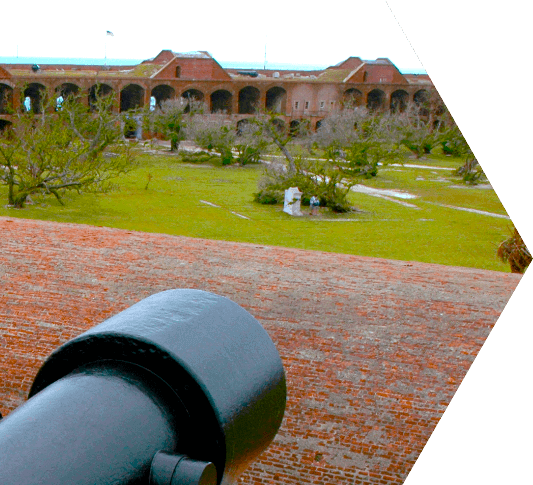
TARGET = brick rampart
(374,349)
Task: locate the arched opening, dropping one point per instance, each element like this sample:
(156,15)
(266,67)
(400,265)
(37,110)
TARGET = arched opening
(398,101)
(98,91)
(161,93)
(68,89)
(63,92)
(131,97)
(221,102)
(276,100)
(192,95)
(294,128)
(421,100)
(6,98)
(352,98)
(33,97)
(299,127)
(318,125)
(248,100)
(375,100)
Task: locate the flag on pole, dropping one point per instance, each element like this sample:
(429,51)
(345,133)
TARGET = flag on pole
(110,33)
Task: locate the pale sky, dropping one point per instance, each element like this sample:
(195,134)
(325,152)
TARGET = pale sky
(233,30)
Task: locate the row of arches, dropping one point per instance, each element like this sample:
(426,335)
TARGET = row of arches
(294,127)
(220,101)
(376,99)
(132,96)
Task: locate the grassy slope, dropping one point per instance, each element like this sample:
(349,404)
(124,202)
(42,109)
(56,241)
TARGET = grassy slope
(384,229)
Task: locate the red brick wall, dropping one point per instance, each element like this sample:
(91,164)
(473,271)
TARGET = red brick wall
(193,68)
(4,73)
(373,349)
(376,73)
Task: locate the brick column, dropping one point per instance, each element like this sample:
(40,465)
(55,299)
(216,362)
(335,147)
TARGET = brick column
(116,104)
(147,96)
(262,101)
(235,103)
(387,99)
(16,99)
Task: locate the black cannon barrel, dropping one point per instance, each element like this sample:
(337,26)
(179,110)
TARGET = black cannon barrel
(184,387)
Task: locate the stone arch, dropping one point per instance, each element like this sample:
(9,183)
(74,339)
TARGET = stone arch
(248,100)
(32,97)
(352,98)
(296,126)
(161,93)
(399,101)
(6,98)
(131,97)
(421,97)
(421,100)
(193,95)
(68,89)
(375,100)
(221,101)
(98,90)
(276,100)
(65,90)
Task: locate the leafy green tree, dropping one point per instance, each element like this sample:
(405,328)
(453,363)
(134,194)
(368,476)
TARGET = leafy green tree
(420,138)
(453,143)
(250,142)
(69,149)
(471,171)
(173,119)
(312,177)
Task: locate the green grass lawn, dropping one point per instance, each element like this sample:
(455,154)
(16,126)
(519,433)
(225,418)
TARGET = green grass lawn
(172,205)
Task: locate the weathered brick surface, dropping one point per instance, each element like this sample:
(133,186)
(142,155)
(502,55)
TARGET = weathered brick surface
(373,349)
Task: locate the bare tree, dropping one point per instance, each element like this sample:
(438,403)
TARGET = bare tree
(69,149)
(359,142)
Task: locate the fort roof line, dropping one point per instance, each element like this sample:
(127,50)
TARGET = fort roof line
(373,349)
(293,94)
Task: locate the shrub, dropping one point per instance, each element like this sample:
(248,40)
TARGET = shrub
(514,251)
(199,157)
(269,196)
(320,178)
(471,172)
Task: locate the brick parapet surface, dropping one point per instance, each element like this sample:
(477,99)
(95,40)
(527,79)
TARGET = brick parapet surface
(373,349)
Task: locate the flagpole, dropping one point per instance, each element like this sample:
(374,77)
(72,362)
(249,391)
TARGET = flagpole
(107,34)
(265,63)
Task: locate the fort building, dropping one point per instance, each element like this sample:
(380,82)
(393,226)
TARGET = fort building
(295,95)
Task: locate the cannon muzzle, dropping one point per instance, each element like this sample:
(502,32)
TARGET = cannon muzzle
(183,388)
